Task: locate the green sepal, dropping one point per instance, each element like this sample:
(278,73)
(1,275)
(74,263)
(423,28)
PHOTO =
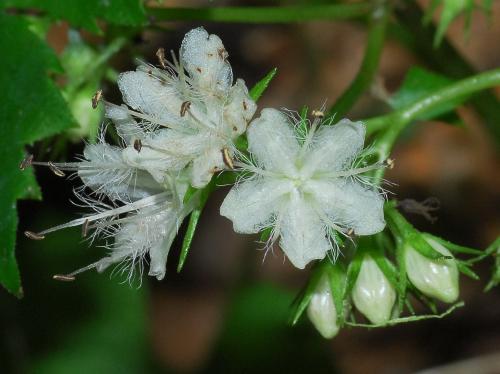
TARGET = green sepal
(259,88)
(466,270)
(455,247)
(305,295)
(336,273)
(202,196)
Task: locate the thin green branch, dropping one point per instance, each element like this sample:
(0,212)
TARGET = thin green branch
(376,36)
(396,121)
(278,14)
(445,59)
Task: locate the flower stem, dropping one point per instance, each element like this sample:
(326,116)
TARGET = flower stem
(376,36)
(396,121)
(279,14)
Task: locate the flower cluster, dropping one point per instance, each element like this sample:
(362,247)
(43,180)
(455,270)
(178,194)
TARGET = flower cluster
(377,287)
(178,126)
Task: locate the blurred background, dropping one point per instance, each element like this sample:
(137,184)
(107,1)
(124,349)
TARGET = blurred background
(227,311)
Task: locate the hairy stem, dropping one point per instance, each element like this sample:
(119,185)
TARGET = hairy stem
(376,36)
(396,121)
(278,14)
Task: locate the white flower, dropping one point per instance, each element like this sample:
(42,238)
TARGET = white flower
(434,278)
(177,127)
(372,294)
(304,191)
(188,113)
(129,205)
(321,310)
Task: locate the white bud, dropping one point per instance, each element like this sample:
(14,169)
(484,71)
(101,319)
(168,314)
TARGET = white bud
(372,294)
(321,310)
(434,278)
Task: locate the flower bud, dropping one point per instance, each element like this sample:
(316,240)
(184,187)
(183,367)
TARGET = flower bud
(435,278)
(321,310)
(372,294)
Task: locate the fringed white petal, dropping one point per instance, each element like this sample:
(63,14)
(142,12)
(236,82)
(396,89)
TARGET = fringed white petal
(205,59)
(125,124)
(303,236)
(349,204)
(149,94)
(106,173)
(238,110)
(335,146)
(253,205)
(272,142)
(205,166)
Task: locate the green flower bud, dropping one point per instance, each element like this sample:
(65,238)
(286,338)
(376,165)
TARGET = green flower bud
(321,310)
(434,278)
(372,294)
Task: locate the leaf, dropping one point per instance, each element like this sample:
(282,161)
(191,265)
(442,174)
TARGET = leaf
(84,13)
(202,195)
(259,88)
(418,84)
(33,109)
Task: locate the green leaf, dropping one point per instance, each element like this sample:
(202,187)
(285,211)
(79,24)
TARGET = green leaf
(84,13)
(259,88)
(33,109)
(418,84)
(202,195)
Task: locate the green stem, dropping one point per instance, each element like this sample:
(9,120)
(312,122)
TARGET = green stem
(396,121)
(376,36)
(99,62)
(445,59)
(278,14)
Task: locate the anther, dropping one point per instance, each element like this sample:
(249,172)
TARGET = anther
(389,163)
(96,98)
(26,162)
(55,169)
(245,106)
(185,107)
(85,228)
(137,145)
(318,114)
(160,53)
(227,158)
(33,235)
(63,278)
(222,54)
(350,232)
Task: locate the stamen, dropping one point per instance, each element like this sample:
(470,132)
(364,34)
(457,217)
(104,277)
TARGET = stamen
(160,53)
(223,54)
(227,158)
(389,163)
(318,114)
(137,145)
(71,276)
(26,162)
(85,228)
(96,99)
(33,235)
(355,171)
(185,107)
(350,232)
(63,278)
(55,169)
(136,205)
